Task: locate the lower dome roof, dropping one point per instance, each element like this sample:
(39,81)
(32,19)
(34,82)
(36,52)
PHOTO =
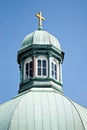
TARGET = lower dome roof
(40,37)
(43,108)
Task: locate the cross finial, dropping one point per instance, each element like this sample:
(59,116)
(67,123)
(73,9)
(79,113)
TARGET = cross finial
(40,18)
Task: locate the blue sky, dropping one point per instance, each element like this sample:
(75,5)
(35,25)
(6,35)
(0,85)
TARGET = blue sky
(66,20)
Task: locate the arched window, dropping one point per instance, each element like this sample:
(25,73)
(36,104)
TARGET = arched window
(41,66)
(54,69)
(28,67)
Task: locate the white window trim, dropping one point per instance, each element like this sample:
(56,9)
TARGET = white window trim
(26,61)
(41,58)
(57,64)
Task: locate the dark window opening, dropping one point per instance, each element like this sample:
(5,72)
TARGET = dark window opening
(28,70)
(41,68)
(54,70)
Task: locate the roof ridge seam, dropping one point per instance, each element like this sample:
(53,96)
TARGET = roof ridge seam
(20,98)
(56,110)
(49,112)
(76,110)
(64,112)
(33,37)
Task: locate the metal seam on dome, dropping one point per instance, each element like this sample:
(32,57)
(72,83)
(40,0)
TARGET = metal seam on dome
(26,113)
(44,38)
(79,115)
(76,110)
(64,112)
(33,109)
(56,110)
(6,109)
(73,116)
(14,111)
(70,102)
(45,35)
(33,37)
(41,110)
(50,39)
(49,112)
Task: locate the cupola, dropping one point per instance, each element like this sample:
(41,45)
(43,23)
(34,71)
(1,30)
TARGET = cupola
(40,59)
(40,103)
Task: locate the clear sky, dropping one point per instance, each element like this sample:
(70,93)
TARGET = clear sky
(66,20)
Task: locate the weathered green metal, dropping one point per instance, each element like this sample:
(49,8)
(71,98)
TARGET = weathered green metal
(39,43)
(42,108)
(40,82)
(40,37)
(33,49)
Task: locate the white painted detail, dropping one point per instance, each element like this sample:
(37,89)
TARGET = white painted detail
(56,63)
(28,60)
(41,58)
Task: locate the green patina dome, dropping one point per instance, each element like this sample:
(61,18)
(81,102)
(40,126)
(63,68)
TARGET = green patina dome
(42,109)
(40,37)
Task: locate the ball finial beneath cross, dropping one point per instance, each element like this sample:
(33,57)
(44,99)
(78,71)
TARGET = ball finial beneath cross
(40,19)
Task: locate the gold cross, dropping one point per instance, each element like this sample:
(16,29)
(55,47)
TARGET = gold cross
(40,18)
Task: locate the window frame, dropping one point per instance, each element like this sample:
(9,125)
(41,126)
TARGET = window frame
(27,61)
(42,67)
(54,69)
